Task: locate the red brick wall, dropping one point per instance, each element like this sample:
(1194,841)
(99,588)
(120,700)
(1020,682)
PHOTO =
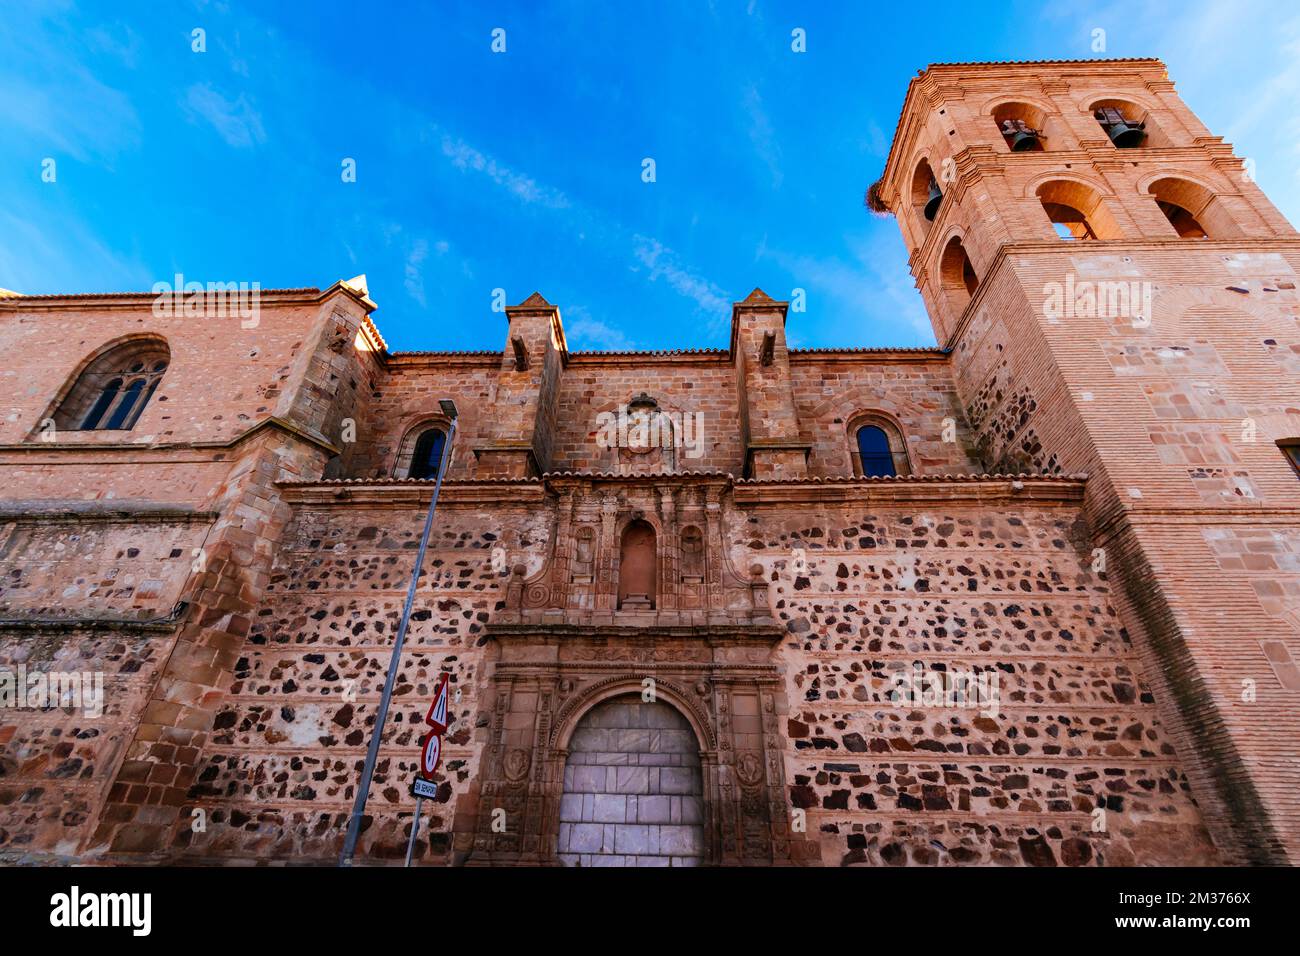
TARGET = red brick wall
(1173,412)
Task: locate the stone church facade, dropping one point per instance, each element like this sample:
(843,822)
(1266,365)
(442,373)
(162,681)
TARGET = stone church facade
(1029,597)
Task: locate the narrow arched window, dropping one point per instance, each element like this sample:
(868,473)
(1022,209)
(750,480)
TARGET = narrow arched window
(113,389)
(427,458)
(1184,222)
(874,453)
(957,276)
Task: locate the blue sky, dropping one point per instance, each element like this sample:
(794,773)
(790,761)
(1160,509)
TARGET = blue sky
(522,170)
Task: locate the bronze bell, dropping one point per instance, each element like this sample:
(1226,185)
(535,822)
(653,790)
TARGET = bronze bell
(932,204)
(1125,136)
(1023,140)
(1122,133)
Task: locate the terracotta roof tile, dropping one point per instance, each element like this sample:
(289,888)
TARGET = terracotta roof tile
(80,296)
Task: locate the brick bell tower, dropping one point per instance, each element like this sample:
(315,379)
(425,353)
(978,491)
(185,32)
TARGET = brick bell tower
(1120,300)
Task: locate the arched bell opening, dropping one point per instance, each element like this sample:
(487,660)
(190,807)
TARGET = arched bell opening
(1077,211)
(926,195)
(1192,210)
(1022,126)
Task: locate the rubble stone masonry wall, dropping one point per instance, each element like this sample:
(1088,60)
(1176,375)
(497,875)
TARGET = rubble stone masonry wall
(1091,519)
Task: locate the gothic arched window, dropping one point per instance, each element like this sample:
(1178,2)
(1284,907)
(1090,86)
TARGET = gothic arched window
(427,458)
(114,388)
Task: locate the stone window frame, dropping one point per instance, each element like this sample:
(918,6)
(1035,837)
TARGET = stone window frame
(406,447)
(113,362)
(893,430)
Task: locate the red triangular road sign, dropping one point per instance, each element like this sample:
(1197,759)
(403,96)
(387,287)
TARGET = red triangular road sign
(437,716)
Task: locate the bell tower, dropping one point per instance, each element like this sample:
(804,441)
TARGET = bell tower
(1120,300)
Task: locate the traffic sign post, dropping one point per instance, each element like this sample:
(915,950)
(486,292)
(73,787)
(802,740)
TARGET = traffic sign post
(423,785)
(415,823)
(372,752)
(430,758)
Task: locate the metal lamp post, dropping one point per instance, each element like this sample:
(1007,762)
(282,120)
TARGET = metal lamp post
(372,753)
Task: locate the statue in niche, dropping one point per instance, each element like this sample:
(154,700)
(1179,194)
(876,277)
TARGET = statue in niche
(584,555)
(692,555)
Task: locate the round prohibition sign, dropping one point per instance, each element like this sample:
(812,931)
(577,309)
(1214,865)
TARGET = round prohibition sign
(430,756)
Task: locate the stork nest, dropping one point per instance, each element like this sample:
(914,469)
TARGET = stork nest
(874,201)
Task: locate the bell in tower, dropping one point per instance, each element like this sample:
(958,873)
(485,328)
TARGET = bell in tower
(1124,134)
(932,204)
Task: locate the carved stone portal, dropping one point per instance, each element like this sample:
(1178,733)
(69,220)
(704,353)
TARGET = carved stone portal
(546,679)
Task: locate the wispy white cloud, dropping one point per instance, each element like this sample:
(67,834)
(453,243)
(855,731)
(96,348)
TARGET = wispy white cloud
(117,40)
(417,254)
(465,157)
(34,258)
(236,121)
(863,289)
(761,134)
(648,253)
(582,331)
(661,263)
(70,111)
(414,278)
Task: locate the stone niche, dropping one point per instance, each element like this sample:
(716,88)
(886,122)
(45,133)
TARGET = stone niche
(639,790)
(643,552)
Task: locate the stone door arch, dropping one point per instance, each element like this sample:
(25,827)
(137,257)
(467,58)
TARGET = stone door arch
(633,788)
(721,693)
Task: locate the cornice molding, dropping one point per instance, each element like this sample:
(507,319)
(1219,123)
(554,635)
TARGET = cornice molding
(272,423)
(60,511)
(983,489)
